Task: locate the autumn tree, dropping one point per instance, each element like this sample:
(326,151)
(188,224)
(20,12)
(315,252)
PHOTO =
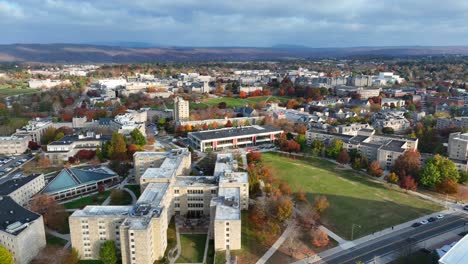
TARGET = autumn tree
(374,169)
(407,164)
(132,148)
(6,257)
(285,188)
(392,178)
(44,162)
(284,208)
(437,170)
(117,149)
(73,257)
(242,95)
(319,237)
(254,157)
(334,148)
(321,203)
(343,157)
(308,216)
(408,183)
(301,196)
(447,186)
(54,214)
(151,140)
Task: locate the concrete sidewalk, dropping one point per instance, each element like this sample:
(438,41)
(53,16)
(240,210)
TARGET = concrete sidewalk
(337,238)
(277,244)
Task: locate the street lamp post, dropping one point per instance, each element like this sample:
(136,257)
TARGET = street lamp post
(352,230)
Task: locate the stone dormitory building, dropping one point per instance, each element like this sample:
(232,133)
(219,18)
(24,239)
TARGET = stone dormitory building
(383,148)
(21,231)
(140,230)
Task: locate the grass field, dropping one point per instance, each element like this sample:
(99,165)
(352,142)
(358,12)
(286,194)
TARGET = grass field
(55,241)
(353,199)
(135,188)
(16,91)
(95,199)
(126,199)
(235,102)
(193,248)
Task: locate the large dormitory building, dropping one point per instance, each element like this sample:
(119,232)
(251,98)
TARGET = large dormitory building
(140,230)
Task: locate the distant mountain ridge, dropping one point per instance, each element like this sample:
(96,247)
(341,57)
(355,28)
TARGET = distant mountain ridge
(135,52)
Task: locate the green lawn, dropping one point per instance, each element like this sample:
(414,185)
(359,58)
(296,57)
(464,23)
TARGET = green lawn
(125,199)
(193,248)
(235,102)
(55,241)
(15,91)
(220,257)
(95,199)
(135,188)
(353,199)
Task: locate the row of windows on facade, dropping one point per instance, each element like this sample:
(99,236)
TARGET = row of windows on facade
(213,191)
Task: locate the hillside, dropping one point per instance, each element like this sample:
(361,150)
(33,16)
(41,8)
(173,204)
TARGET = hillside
(83,53)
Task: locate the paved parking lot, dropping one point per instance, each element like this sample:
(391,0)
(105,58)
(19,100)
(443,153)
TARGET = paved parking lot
(10,166)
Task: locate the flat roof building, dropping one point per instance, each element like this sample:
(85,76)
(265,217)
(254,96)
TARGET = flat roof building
(34,129)
(14,144)
(233,137)
(383,148)
(140,231)
(61,150)
(458,146)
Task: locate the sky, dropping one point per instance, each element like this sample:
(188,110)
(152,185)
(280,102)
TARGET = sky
(243,23)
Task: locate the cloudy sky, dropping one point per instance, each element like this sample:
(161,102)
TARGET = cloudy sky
(260,23)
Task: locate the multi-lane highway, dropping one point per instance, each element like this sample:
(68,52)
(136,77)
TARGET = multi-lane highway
(397,241)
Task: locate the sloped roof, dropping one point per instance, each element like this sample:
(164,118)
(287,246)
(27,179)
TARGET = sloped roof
(69,178)
(11,213)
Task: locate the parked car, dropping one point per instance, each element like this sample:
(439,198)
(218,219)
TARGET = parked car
(440,216)
(432,219)
(416,224)
(465,207)
(424,222)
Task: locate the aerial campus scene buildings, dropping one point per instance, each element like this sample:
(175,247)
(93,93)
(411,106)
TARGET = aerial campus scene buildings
(346,144)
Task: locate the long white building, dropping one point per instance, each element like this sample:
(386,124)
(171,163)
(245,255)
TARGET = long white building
(233,137)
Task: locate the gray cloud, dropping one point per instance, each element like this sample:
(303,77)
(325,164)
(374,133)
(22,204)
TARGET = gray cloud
(315,23)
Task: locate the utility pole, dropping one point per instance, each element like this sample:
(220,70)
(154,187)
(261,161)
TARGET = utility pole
(352,230)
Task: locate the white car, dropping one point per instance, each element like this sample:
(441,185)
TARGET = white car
(440,216)
(424,222)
